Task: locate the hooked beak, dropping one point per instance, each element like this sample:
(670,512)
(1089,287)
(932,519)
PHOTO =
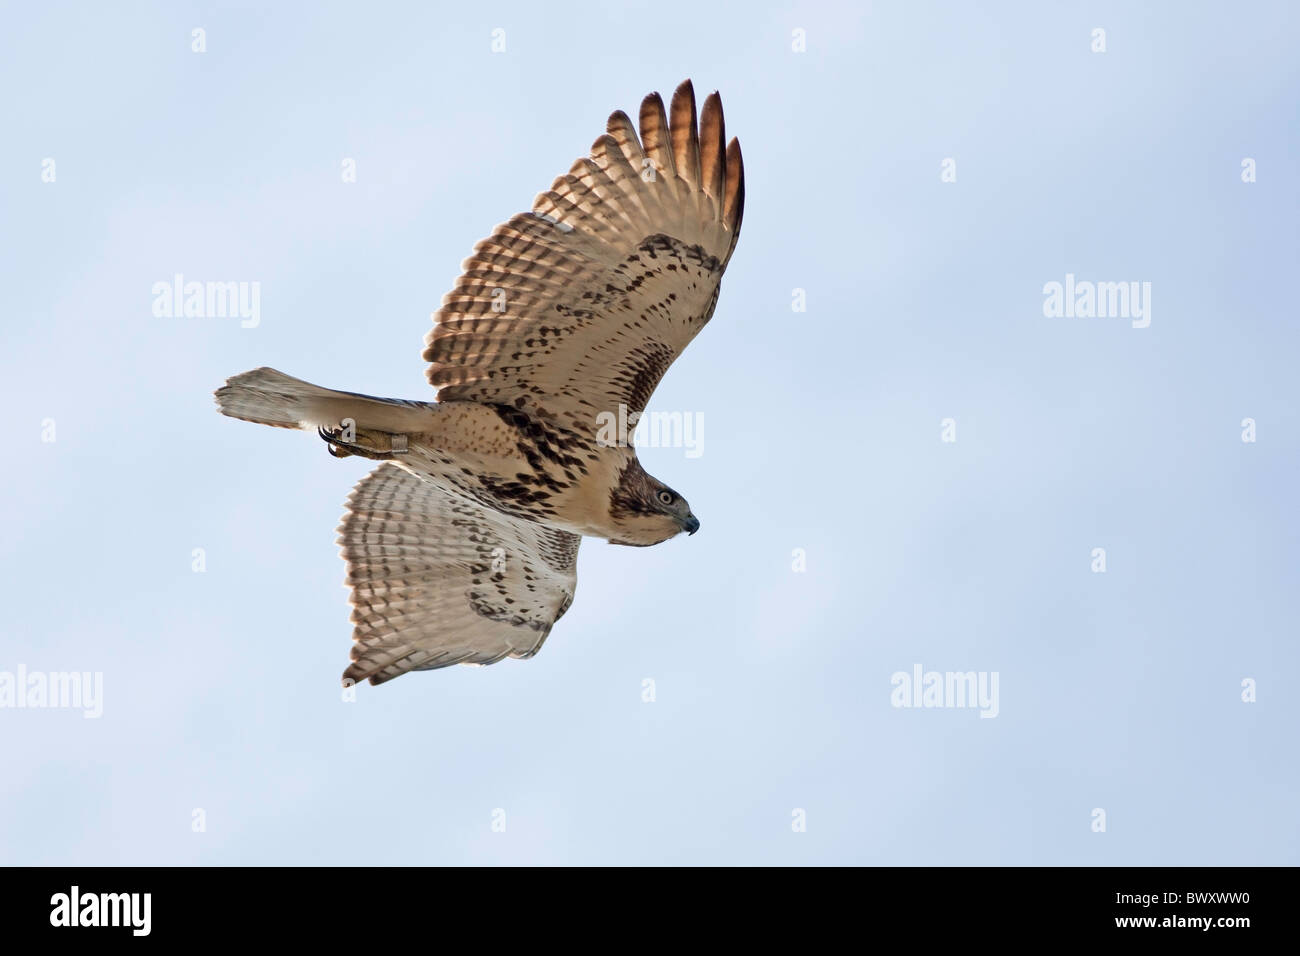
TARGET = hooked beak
(691,524)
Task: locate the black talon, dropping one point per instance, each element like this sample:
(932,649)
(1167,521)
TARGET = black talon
(342,449)
(333,446)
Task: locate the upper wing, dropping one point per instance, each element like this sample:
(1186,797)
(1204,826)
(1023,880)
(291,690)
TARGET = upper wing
(583,303)
(439,580)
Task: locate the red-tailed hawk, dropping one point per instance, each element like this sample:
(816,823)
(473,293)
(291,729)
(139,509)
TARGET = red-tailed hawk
(462,547)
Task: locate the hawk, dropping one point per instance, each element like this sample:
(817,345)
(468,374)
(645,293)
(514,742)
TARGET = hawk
(461,547)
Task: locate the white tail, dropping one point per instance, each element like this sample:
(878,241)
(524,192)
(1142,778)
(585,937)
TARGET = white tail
(269,397)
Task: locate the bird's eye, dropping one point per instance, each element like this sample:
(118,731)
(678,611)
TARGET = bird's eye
(665,497)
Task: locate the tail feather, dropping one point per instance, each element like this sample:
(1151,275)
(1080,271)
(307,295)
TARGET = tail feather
(269,397)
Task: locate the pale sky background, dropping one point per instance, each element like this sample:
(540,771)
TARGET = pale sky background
(1119,691)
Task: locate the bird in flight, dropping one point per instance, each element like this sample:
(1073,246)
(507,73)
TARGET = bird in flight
(462,546)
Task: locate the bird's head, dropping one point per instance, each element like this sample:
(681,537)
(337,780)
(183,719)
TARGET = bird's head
(645,511)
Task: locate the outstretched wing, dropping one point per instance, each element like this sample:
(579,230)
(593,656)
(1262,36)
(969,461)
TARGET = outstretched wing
(583,303)
(438,580)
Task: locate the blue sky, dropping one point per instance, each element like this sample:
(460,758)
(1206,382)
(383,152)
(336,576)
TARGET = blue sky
(1119,691)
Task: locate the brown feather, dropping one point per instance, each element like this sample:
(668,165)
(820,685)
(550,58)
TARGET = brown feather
(655,135)
(712,159)
(733,208)
(686,138)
